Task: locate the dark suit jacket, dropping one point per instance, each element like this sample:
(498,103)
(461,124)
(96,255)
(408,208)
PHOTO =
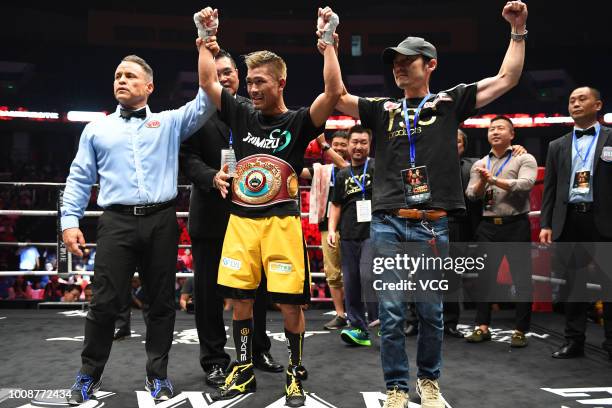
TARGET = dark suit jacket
(557,179)
(200,159)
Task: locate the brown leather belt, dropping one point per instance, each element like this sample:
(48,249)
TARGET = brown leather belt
(262,180)
(414,214)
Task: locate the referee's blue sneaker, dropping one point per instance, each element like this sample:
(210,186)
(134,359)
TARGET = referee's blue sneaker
(160,389)
(83,389)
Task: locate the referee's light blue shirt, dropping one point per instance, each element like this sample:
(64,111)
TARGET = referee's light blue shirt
(136,160)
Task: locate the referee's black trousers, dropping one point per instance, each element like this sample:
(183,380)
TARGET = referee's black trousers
(126,242)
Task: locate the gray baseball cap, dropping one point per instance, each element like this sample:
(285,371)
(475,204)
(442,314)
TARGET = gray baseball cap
(410,46)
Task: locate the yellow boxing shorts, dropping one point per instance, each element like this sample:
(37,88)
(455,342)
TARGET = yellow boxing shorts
(275,243)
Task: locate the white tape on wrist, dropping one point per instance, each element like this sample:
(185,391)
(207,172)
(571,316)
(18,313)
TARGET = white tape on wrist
(205,32)
(328,35)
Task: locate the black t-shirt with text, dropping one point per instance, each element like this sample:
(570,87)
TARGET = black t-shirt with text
(285,136)
(346,193)
(435,140)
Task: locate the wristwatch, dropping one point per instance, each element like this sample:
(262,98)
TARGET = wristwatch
(325,147)
(493,180)
(518,37)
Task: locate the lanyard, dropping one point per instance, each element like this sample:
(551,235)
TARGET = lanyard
(409,128)
(231,139)
(586,156)
(361,186)
(333,177)
(499,170)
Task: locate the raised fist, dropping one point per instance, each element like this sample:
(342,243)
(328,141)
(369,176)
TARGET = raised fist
(327,21)
(207,22)
(515,12)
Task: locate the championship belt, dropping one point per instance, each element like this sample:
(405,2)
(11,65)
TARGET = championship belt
(262,180)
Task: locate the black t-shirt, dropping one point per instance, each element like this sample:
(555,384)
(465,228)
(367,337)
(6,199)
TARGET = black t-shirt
(435,143)
(285,136)
(335,170)
(347,193)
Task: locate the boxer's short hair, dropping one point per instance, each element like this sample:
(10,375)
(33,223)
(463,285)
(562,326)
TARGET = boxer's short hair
(260,58)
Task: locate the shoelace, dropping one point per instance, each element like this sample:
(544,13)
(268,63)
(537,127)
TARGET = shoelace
(294,388)
(162,383)
(230,378)
(81,381)
(395,396)
(429,389)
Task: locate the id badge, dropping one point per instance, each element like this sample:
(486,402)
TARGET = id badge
(329,204)
(416,185)
(489,199)
(582,182)
(364,210)
(228,156)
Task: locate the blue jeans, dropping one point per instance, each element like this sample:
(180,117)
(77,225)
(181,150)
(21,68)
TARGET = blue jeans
(388,232)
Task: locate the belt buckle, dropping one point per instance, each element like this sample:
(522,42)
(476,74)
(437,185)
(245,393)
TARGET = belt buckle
(139,210)
(498,220)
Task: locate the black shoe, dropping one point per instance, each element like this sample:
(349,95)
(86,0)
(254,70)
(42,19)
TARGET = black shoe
(265,362)
(452,331)
(121,334)
(571,349)
(215,377)
(160,389)
(83,389)
(411,329)
(240,380)
(294,390)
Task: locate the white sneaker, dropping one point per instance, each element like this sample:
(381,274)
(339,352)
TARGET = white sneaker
(396,398)
(429,391)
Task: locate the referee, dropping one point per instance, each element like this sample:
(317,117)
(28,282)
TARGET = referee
(134,154)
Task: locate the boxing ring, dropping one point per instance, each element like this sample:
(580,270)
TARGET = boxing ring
(39,350)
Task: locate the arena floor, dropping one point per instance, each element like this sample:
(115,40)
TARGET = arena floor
(39,350)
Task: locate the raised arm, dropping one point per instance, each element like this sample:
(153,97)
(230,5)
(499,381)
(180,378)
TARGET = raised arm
(489,89)
(207,71)
(347,103)
(324,105)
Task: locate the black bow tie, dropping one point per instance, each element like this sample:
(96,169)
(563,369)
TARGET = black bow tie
(127,114)
(589,131)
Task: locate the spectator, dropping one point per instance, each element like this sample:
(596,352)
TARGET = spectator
(137,293)
(186,299)
(88,291)
(89,266)
(54,290)
(5,283)
(72,294)
(20,289)
(28,258)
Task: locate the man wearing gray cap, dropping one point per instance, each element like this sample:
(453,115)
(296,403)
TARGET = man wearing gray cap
(417,183)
